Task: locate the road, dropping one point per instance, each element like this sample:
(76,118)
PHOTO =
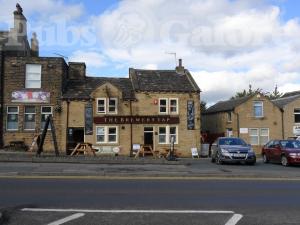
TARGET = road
(191,201)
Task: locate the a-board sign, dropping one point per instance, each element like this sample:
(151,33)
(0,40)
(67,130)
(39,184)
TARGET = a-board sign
(194,152)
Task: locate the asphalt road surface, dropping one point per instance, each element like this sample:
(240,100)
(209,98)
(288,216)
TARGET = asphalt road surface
(149,201)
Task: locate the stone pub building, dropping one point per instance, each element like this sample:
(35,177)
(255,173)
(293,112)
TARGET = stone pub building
(150,107)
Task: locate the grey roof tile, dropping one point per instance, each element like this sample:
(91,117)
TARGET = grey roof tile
(283,101)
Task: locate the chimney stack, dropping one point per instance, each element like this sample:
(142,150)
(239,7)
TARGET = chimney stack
(77,70)
(180,67)
(20,22)
(34,45)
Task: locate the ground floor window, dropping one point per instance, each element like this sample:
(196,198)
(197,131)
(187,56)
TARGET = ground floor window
(107,134)
(12,118)
(259,136)
(165,134)
(45,112)
(29,118)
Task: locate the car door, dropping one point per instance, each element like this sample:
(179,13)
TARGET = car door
(276,152)
(267,149)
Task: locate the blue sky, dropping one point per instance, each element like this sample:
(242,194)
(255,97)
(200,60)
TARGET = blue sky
(253,42)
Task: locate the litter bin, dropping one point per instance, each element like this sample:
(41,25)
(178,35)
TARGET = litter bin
(204,150)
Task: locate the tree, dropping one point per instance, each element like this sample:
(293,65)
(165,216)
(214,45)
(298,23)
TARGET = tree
(275,94)
(245,93)
(203,106)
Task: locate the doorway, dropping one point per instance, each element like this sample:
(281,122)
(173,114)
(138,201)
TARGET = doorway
(75,136)
(148,136)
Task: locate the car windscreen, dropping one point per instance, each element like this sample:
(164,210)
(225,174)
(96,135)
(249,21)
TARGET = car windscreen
(231,141)
(294,144)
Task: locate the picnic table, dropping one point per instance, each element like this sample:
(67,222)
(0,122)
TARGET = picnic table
(84,148)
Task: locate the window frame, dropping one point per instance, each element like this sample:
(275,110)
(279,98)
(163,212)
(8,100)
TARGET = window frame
(166,106)
(260,135)
(49,127)
(9,113)
(168,135)
(177,105)
(229,117)
(296,113)
(106,135)
(262,109)
(116,106)
(27,80)
(101,112)
(257,132)
(24,122)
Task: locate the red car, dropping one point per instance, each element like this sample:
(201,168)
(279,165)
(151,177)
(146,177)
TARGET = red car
(286,152)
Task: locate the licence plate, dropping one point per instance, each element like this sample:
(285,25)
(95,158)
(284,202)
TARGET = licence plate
(238,155)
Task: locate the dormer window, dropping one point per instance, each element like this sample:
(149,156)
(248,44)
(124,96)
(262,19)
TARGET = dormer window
(107,105)
(33,76)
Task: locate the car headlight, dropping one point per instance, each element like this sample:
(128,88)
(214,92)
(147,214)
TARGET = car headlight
(225,152)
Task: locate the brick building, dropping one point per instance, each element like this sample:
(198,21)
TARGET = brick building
(148,108)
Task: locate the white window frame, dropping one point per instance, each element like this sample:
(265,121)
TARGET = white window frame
(257,132)
(229,117)
(10,113)
(29,114)
(106,135)
(101,112)
(167,106)
(38,74)
(177,105)
(49,127)
(116,106)
(168,136)
(260,135)
(262,109)
(296,113)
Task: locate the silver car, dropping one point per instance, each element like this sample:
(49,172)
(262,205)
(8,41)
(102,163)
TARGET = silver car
(232,150)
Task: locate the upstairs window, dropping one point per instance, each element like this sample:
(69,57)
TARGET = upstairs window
(33,76)
(29,118)
(229,118)
(258,109)
(173,106)
(112,105)
(101,105)
(297,115)
(12,118)
(163,105)
(107,105)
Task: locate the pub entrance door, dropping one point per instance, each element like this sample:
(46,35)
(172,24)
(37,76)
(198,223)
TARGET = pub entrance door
(148,136)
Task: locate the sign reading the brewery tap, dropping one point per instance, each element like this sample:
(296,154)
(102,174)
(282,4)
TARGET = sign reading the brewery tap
(136,120)
(30,96)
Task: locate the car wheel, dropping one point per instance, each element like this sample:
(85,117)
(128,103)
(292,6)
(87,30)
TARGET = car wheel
(218,159)
(284,161)
(265,158)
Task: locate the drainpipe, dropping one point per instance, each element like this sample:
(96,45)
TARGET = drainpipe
(238,124)
(282,122)
(67,128)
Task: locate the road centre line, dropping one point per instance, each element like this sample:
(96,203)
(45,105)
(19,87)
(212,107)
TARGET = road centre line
(67,219)
(234,219)
(129,211)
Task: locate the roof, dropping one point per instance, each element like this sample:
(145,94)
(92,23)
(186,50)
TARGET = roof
(3,37)
(283,101)
(163,81)
(225,106)
(82,89)
(288,94)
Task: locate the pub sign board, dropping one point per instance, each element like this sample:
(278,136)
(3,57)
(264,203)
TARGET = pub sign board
(190,115)
(136,120)
(89,119)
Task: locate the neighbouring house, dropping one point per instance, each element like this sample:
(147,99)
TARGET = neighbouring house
(149,108)
(254,118)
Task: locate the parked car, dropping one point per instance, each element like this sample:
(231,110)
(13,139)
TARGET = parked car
(232,150)
(286,152)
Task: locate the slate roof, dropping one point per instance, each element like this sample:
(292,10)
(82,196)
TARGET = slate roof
(283,101)
(225,106)
(82,89)
(288,94)
(3,37)
(162,81)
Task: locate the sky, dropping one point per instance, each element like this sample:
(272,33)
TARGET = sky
(225,44)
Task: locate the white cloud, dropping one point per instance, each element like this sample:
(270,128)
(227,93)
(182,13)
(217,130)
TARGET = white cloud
(232,43)
(92,59)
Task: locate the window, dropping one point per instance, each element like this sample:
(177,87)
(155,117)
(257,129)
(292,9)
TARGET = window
(259,136)
(101,105)
(112,105)
(264,136)
(229,119)
(258,109)
(173,106)
(12,118)
(45,112)
(297,115)
(163,105)
(33,76)
(29,118)
(253,132)
(107,134)
(165,135)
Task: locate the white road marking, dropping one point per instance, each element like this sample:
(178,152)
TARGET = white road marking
(67,219)
(234,219)
(129,211)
